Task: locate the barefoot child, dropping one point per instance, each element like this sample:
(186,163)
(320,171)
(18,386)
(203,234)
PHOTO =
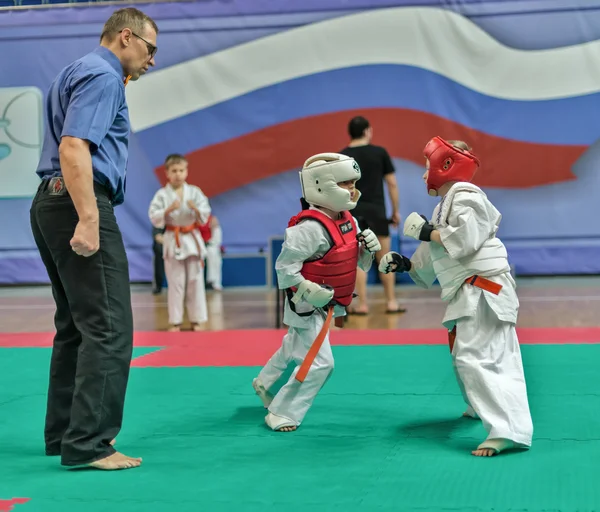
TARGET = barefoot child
(180,208)
(460,248)
(317,264)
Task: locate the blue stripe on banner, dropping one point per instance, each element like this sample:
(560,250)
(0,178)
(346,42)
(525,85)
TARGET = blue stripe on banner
(561,122)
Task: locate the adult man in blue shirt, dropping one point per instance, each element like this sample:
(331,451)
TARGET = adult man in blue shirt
(83,166)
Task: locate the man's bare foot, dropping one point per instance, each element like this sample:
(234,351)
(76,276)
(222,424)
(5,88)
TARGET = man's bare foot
(286,429)
(392,307)
(360,310)
(197,327)
(174,328)
(116,461)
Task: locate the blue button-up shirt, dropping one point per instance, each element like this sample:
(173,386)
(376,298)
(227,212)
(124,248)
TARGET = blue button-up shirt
(87,101)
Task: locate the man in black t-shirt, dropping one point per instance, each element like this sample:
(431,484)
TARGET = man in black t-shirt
(376,167)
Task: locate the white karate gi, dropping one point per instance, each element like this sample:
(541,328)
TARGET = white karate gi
(306,241)
(214,259)
(184,266)
(486,355)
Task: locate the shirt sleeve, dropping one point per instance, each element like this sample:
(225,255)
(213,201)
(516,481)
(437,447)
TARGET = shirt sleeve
(93,106)
(388,166)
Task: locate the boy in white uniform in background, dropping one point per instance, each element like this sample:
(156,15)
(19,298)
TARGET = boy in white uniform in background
(321,248)
(460,248)
(180,208)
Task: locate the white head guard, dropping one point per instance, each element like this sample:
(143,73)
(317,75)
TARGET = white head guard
(320,176)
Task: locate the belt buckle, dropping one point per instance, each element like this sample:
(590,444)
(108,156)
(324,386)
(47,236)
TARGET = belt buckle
(56,187)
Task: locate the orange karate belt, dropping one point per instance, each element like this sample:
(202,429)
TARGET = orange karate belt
(484,284)
(184,230)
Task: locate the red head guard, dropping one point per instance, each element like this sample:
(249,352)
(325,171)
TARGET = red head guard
(447,163)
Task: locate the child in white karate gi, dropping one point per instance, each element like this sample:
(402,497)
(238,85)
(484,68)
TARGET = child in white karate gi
(317,265)
(460,248)
(180,208)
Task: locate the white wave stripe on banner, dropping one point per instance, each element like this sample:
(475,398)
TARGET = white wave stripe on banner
(429,38)
(21,132)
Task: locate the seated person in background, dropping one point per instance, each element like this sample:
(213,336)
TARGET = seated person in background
(213,238)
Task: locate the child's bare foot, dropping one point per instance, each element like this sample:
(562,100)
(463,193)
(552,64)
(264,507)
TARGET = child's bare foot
(174,328)
(279,423)
(484,452)
(470,413)
(116,461)
(491,447)
(262,392)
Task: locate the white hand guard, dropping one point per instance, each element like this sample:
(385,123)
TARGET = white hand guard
(313,293)
(418,227)
(369,240)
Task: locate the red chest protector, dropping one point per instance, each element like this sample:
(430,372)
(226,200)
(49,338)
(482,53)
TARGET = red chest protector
(205,230)
(337,268)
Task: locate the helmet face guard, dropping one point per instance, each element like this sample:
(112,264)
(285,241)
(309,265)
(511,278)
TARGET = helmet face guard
(319,179)
(448,163)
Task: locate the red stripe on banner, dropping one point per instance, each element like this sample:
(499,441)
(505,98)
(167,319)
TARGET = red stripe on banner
(505,163)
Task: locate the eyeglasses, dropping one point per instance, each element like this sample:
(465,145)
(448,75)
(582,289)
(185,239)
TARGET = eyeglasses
(151,48)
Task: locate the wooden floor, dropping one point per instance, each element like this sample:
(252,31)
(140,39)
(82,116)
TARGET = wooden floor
(545,302)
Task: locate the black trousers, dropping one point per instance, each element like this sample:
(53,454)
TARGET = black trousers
(93,345)
(159,266)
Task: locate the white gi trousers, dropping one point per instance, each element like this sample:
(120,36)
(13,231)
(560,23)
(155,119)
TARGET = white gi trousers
(488,366)
(295,398)
(185,280)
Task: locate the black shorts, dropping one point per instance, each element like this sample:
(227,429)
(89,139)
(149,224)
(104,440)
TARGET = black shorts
(372,218)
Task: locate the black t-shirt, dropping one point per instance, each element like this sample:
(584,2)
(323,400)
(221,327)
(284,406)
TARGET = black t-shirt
(374,163)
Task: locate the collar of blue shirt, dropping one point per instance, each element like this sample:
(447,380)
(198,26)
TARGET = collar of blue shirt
(111,58)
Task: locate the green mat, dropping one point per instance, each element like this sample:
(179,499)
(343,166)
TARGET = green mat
(385,434)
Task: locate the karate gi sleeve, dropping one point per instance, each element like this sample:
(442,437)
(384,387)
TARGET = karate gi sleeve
(365,258)
(422,272)
(469,225)
(156,211)
(302,242)
(201,202)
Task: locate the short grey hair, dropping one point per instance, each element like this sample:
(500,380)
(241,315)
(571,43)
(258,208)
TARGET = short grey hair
(128,17)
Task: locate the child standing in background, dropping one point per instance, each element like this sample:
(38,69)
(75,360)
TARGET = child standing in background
(180,208)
